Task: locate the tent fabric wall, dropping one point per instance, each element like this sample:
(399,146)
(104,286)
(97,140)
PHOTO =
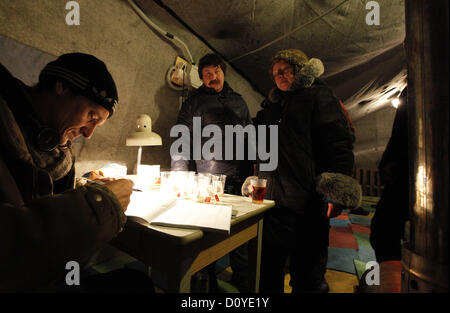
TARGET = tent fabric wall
(137,57)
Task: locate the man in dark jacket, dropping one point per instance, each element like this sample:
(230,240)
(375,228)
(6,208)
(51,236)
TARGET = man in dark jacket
(312,182)
(216,103)
(44,222)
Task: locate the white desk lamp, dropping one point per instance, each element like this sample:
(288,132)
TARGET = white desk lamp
(143,136)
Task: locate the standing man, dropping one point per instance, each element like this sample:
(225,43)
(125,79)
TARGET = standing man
(44,222)
(216,103)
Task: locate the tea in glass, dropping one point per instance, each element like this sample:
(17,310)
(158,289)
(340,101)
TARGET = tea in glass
(259,190)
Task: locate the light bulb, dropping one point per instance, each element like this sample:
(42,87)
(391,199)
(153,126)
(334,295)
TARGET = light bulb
(395,102)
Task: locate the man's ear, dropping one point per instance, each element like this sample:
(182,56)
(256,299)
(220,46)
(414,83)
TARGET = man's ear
(60,89)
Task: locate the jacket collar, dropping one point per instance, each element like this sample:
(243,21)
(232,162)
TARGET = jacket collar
(14,140)
(276,95)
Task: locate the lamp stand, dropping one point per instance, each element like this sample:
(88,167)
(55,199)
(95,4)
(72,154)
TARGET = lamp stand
(138,158)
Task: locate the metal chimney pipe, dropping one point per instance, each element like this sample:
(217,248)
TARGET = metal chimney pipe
(426,249)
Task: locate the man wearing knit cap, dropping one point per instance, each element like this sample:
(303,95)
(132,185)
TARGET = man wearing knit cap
(312,182)
(44,221)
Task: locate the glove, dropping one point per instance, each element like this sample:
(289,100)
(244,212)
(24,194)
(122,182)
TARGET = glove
(247,189)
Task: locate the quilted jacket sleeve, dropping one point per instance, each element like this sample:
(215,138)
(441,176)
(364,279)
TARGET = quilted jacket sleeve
(332,138)
(40,237)
(333,150)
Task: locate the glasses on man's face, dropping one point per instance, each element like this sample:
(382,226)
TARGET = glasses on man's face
(286,72)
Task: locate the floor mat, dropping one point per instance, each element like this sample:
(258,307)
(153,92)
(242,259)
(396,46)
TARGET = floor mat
(341,282)
(362,239)
(339,223)
(366,254)
(360,229)
(360,220)
(360,268)
(342,216)
(350,249)
(342,237)
(368,207)
(341,259)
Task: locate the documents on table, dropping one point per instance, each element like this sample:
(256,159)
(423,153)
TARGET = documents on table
(159,210)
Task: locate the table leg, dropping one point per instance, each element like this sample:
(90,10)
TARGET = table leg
(179,280)
(254,258)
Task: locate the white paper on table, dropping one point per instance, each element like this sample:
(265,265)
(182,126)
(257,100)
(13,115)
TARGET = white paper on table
(188,214)
(179,213)
(148,205)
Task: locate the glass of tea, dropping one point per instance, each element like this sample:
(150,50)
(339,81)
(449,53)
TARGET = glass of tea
(259,190)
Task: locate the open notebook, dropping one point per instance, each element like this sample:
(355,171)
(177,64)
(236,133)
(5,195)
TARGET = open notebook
(159,210)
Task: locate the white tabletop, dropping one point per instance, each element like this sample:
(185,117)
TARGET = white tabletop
(240,207)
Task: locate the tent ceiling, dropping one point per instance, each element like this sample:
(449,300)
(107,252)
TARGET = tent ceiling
(363,63)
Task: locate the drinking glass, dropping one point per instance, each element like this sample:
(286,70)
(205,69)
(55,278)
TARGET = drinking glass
(259,190)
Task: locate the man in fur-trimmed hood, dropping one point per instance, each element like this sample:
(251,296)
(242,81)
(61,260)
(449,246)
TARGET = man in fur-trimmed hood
(312,182)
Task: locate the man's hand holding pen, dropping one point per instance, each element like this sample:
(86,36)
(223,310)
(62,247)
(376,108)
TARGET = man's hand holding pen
(122,188)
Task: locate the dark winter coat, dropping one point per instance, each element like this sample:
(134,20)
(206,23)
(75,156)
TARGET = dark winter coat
(44,223)
(224,108)
(314,149)
(392,211)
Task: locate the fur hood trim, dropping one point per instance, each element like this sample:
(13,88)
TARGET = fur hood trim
(339,189)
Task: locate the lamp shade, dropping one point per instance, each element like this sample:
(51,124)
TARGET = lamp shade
(143,135)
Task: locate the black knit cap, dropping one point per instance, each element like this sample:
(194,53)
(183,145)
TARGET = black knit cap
(87,75)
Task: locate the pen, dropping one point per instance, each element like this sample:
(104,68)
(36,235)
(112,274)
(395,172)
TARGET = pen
(102,183)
